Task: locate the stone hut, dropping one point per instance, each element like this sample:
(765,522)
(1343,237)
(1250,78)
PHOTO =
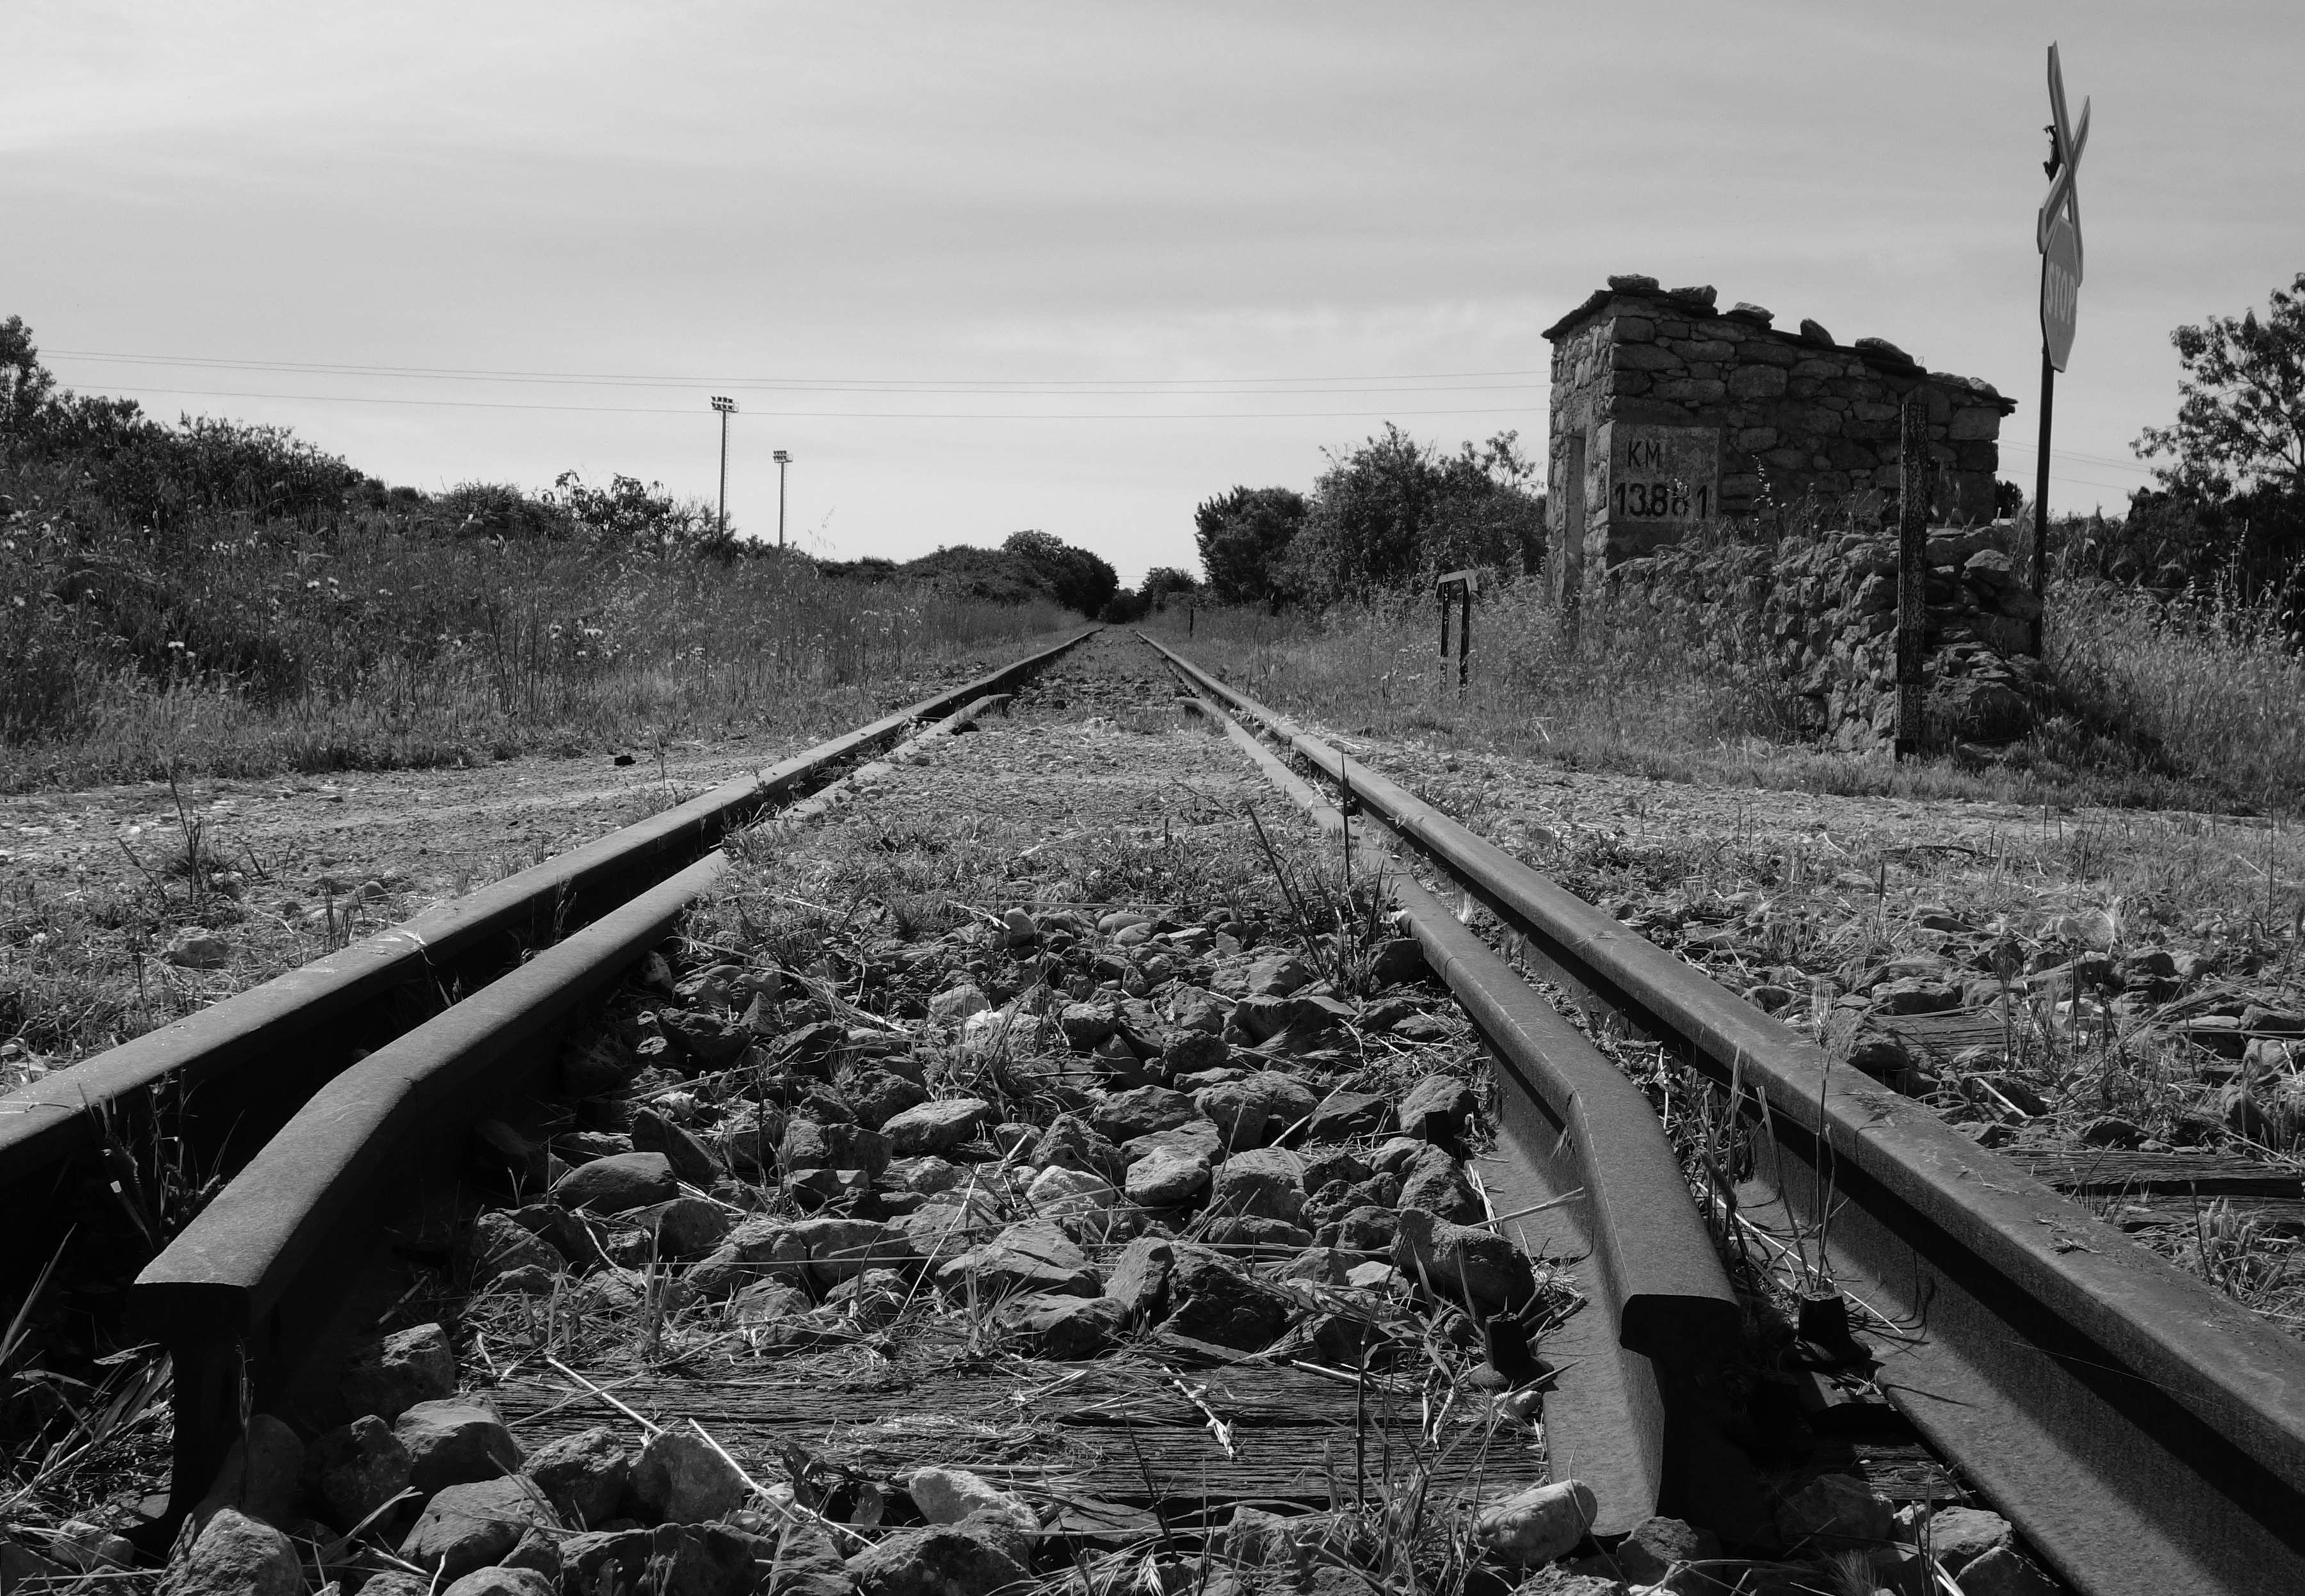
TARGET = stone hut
(1667,412)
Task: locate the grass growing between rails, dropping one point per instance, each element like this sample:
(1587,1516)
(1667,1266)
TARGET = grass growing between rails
(249,648)
(2156,705)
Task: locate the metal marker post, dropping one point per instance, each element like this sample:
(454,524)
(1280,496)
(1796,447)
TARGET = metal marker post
(2057,235)
(1912,573)
(1466,583)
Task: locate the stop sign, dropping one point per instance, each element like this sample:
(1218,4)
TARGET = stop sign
(2060,290)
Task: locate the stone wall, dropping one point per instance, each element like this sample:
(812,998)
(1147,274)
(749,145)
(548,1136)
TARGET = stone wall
(1812,617)
(1668,414)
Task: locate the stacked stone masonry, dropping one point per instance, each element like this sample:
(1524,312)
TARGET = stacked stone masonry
(1668,414)
(1817,614)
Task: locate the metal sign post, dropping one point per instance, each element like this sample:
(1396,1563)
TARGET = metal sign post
(2057,235)
(1466,583)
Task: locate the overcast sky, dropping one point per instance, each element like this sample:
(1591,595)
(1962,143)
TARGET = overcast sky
(1077,266)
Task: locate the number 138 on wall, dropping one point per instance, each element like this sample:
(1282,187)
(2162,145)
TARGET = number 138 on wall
(1658,473)
(1674,500)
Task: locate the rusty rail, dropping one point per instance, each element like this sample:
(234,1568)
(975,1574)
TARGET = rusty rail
(2145,1433)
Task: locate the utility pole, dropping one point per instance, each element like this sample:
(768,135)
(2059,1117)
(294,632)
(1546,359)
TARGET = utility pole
(726,407)
(783,459)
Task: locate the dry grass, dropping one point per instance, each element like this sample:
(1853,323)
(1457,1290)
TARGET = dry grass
(2161,708)
(265,647)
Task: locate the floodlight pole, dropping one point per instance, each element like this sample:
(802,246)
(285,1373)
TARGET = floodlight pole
(726,407)
(783,459)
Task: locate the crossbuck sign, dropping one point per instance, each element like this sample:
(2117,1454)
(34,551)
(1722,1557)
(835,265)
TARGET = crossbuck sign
(2058,231)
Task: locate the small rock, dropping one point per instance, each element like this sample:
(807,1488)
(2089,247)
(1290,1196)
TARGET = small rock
(2112,1131)
(1437,1110)
(238,1556)
(1277,975)
(1167,1177)
(1266,1234)
(1914,995)
(1070,1143)
(504,1581)
(2003,1571)
(1085,1024)
(1063,1327)
(1139,1281)
(1323,1266)
(957,1003)
(837,1249)
(1058,1191)
(947,1496)
(1255,1538)
(90,1547)
(713,1039)
(937,1127)
(1396,960)
(618,1183)
(1368,1230)
(1264,1182)
(1209,1300)
(1342,1116)
(498,1246)
(263,1473)
(1196,1138)
(1125,1115)
(1835,1511)
(1657,1544)
(1258,1109)
(355,1469)
(1462,1261)
(1188,1052)
(940,1560)
(452,1443)
(407,1367)
(690,1159)
(1376,1276)
(1959,1536)
(1033,1257)
(1423,1028)
(684,1481)
(1540,1523)
(195,948)
(684,1227)
(807,1563)
(583,1475)
(1434,1181)
(473,1524)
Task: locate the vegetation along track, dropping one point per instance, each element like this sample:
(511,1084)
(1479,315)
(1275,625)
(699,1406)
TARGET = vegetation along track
(1056,1163)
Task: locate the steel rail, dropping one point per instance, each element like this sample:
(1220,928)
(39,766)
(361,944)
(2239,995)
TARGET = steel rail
(258,1299)
(235,1070)
(2145,1433)
(1634,1408)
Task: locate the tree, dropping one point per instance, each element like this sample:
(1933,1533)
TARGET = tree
(2232,501)
(1077,579)
(2241,415)
(1243,536)
(640,517)
(25,384)
(1163,582)
(1396,511)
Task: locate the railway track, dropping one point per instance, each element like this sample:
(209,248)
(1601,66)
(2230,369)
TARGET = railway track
(2142,1434)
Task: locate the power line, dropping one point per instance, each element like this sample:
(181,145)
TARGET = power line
(869,415)
(1456,381)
